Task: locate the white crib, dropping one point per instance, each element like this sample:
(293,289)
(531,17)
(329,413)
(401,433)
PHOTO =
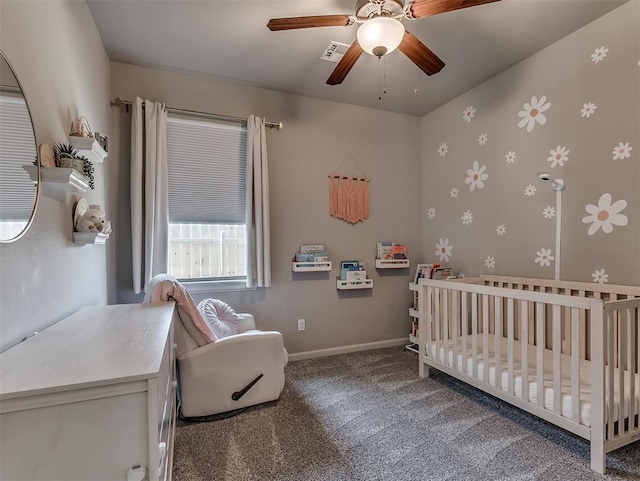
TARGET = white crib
(564,351)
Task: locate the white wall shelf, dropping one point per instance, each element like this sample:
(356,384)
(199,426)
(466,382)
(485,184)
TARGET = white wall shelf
(392,263)
(414,312)
(82,238)
(347,285)
(69,178)
(311,266)
(89,147)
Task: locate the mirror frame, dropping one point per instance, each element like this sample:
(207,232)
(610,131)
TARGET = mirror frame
(38,182)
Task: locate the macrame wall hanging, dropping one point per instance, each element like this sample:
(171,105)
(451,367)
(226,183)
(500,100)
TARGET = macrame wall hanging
(349,196)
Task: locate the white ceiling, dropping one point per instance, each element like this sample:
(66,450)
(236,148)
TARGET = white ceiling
(229,39)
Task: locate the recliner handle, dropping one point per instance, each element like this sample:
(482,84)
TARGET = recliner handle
(238,394)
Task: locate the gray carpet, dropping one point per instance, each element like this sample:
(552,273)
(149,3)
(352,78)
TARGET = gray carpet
(368,416)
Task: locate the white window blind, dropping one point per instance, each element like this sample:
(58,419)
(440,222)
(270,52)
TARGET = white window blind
(207,171)
(17,148)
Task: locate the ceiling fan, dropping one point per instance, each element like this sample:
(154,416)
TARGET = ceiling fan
(381,31)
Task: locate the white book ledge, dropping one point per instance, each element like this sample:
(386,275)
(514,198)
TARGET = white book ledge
(311,266)
(346,285)
(392,263)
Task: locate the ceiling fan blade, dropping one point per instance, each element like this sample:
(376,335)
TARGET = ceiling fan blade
(426,8)
(347,61)
(419,54)
(291,23)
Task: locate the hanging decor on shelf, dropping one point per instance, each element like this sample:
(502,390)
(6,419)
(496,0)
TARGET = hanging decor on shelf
(349,196)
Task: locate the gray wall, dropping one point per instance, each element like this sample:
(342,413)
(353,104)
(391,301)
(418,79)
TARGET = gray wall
(317,137)
(566,74)
(60,61)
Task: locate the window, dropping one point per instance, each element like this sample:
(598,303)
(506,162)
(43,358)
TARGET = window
(207,199)
(17,149)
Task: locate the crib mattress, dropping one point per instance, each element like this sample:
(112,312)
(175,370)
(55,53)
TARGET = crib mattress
(565,386)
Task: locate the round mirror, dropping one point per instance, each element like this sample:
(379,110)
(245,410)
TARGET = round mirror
(18,155)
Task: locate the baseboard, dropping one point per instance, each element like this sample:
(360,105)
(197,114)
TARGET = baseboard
(298,356)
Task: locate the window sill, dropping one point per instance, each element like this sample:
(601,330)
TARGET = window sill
(199,287)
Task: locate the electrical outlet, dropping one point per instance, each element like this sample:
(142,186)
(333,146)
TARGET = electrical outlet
(301,325)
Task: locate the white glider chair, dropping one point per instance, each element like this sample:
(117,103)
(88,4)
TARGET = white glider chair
(224,363)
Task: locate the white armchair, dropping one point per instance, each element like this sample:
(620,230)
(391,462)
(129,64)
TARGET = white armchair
(225,374)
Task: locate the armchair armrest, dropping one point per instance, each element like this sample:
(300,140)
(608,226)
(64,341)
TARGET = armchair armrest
(247,323)
(209,375)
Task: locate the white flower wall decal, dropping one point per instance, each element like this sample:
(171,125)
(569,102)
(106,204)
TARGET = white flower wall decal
(622,151)
(530,190)
(599,54)
(558,156)
(443,149)
(605,215)
(490,262)
(501,229)
(588,110)
(443,250)
(549,212)
(483,139)
(468,113)
(510,158)
(476,176)
(600,276)
(532,113)
(544,257)
(467,217)
(454,192)
(431,212)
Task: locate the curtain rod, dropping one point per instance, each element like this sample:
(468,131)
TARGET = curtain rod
(272,125)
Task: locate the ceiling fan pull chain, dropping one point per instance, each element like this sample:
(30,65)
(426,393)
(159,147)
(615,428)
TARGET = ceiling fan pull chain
(382,77)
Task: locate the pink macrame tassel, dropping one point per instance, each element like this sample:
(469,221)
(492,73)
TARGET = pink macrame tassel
(349,199)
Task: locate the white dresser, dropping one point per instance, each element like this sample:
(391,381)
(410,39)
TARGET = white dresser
(90,397)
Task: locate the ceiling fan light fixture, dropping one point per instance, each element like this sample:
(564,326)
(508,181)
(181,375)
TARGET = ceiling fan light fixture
(380,35)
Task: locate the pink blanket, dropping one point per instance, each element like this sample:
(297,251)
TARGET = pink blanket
(164,287)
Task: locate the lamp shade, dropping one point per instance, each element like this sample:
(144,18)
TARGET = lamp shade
(380,35)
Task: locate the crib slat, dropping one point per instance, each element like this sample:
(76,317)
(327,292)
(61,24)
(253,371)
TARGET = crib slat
(532,324)
(636,322)
(474,333)
(583,329)
(609,375)
(445,325)
(524,333)
(557,359)
(566,335)
(436,296)
(575,364)
(622,353)
(465,328)
(633,351)
(510,326)
(498,338)
(428,328)
(455,314)
(485,337)
(540,335)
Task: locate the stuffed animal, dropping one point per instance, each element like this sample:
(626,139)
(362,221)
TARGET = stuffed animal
(93,221)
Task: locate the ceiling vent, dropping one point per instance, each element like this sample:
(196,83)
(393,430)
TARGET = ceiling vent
(334,52)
